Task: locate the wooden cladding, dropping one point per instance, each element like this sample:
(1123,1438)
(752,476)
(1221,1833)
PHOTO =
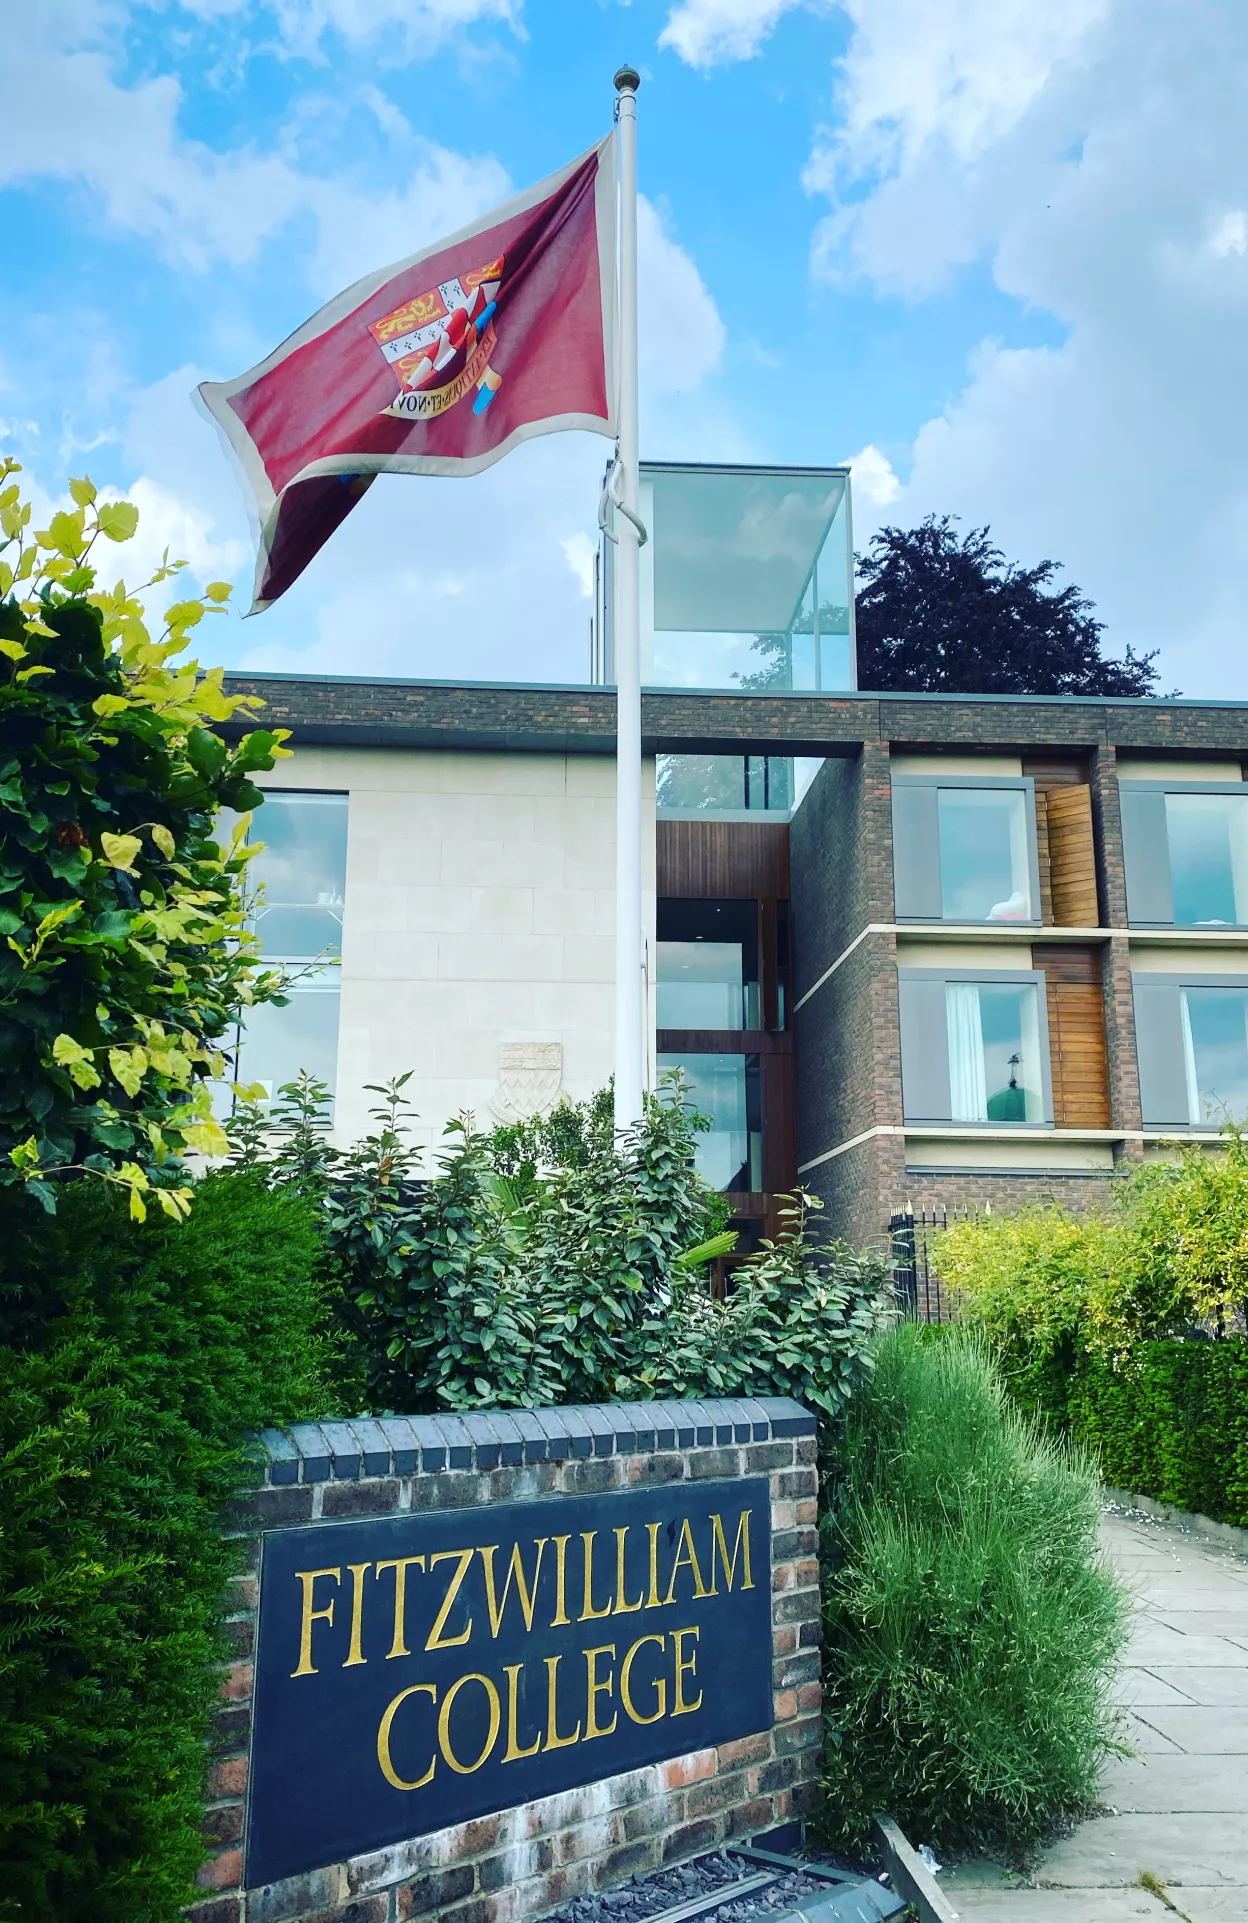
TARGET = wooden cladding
(723,860)
(1065,847)
(1072,974)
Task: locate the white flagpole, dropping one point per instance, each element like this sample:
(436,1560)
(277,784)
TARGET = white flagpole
(630,1011)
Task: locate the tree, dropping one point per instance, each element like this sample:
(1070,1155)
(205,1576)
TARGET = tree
(946,615)
(124,950)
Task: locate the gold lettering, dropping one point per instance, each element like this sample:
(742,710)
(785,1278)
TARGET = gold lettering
(588,1612)
(561,1562)
(309,1579)
(383,1739)
(594,1689)
(400,1566)
(719,1547)
(660,1683)
(514,1752)
(653,1600)
(354,1653)
(436,1640)
(444,1722)
(515,1567)
(622,1606)
(553,1739)
(685,1667)
(684,1561)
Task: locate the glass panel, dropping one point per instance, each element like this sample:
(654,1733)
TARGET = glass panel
(985,867)
(303,869)
(724,784)
(729,1155)
(1208,837)
(276,1043)
(1215,1050)
(995,1072)
(746,577)
(707,964)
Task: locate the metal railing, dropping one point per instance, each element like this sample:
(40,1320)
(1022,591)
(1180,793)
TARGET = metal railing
(919,1289)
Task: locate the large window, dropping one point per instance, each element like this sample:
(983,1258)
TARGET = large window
(1192,1044)
(974,1048)
(964,849)
(1186,850)
(708,964)
(724,784)
(729,1154)
(300,880)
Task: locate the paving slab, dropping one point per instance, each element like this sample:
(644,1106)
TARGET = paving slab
(1177,1808)
(1218,1688)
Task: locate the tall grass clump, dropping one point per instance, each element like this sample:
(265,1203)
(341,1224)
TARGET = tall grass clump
(971,1630)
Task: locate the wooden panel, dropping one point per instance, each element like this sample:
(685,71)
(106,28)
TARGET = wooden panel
(1042,856)
(1072,975)
(1072,857)
(779,1134)
(723,860)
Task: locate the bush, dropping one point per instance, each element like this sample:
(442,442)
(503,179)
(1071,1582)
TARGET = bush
(970,1630)
(132,1360)
(557,1264)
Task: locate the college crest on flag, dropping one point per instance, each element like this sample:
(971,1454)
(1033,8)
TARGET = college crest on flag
(438,365)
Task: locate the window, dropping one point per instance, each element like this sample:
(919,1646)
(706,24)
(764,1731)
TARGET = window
(1186,851)
(974,1048)
(300,875)
(964,849)
(707,972)
(1192,1043)
(724,784)
(729,1154)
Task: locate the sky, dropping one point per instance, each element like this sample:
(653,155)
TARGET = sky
(994,253)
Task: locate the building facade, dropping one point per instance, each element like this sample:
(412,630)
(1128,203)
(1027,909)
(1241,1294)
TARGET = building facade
(905,948)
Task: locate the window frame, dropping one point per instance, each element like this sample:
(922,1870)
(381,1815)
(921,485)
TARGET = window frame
(1127,786)
(1024,783)
(1163,978)
(989,978)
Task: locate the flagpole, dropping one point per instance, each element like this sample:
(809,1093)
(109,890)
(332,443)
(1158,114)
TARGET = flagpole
(630,985)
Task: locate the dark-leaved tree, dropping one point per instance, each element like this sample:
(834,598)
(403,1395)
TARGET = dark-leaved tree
(947,615)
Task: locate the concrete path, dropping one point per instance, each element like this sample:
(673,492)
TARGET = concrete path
(1178,1810)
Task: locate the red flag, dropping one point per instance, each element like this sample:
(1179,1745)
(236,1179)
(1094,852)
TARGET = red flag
(439,365)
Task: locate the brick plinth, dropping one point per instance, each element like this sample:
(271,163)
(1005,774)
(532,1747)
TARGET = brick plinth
(526,1861)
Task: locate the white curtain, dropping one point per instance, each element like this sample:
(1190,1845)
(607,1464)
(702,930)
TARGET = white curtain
(968,1089)
(1189,1064)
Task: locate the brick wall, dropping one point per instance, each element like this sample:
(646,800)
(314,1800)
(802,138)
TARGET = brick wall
(527,1860)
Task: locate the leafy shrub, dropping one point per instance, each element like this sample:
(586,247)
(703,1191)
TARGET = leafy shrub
(970,1630)
(131,1361)
(552,1264)
(123,950)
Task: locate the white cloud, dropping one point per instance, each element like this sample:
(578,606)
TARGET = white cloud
(680,333)
(872,478)
(709,33)
(1091,153)
(124,145)
(409,29)
(579,552)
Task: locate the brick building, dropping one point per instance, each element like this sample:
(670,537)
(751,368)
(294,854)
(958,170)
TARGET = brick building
(923,948)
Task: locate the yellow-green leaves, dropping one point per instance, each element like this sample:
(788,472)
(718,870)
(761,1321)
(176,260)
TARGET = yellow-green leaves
(129,1065)
(117,519)
(218,591)
(164,840)
(78,1060)
(83,492)
(14,649)
(67,533)
(119,851)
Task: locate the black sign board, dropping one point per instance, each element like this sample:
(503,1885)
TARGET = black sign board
(418,1670)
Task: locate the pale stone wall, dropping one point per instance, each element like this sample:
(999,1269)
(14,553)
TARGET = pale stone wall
(480,912)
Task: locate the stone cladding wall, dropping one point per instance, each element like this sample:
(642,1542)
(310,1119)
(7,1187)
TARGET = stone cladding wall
(525,1861)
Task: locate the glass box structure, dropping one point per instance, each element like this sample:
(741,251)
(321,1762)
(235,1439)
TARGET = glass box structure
(746,580)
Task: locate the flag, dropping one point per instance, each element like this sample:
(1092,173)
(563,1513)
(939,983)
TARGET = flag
(439,365)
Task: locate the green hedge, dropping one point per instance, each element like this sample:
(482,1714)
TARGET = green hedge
(132,1360)
(1170,1422)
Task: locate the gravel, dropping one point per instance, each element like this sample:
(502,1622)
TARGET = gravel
(648,1896)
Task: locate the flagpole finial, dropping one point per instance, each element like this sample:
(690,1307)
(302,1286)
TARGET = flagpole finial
(627,80)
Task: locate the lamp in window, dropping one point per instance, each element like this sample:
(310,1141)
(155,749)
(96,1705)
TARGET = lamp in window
(1009,1104)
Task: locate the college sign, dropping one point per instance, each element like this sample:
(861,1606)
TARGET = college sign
(415,1671)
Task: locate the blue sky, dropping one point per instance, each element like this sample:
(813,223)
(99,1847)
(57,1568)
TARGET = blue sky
(994,251)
